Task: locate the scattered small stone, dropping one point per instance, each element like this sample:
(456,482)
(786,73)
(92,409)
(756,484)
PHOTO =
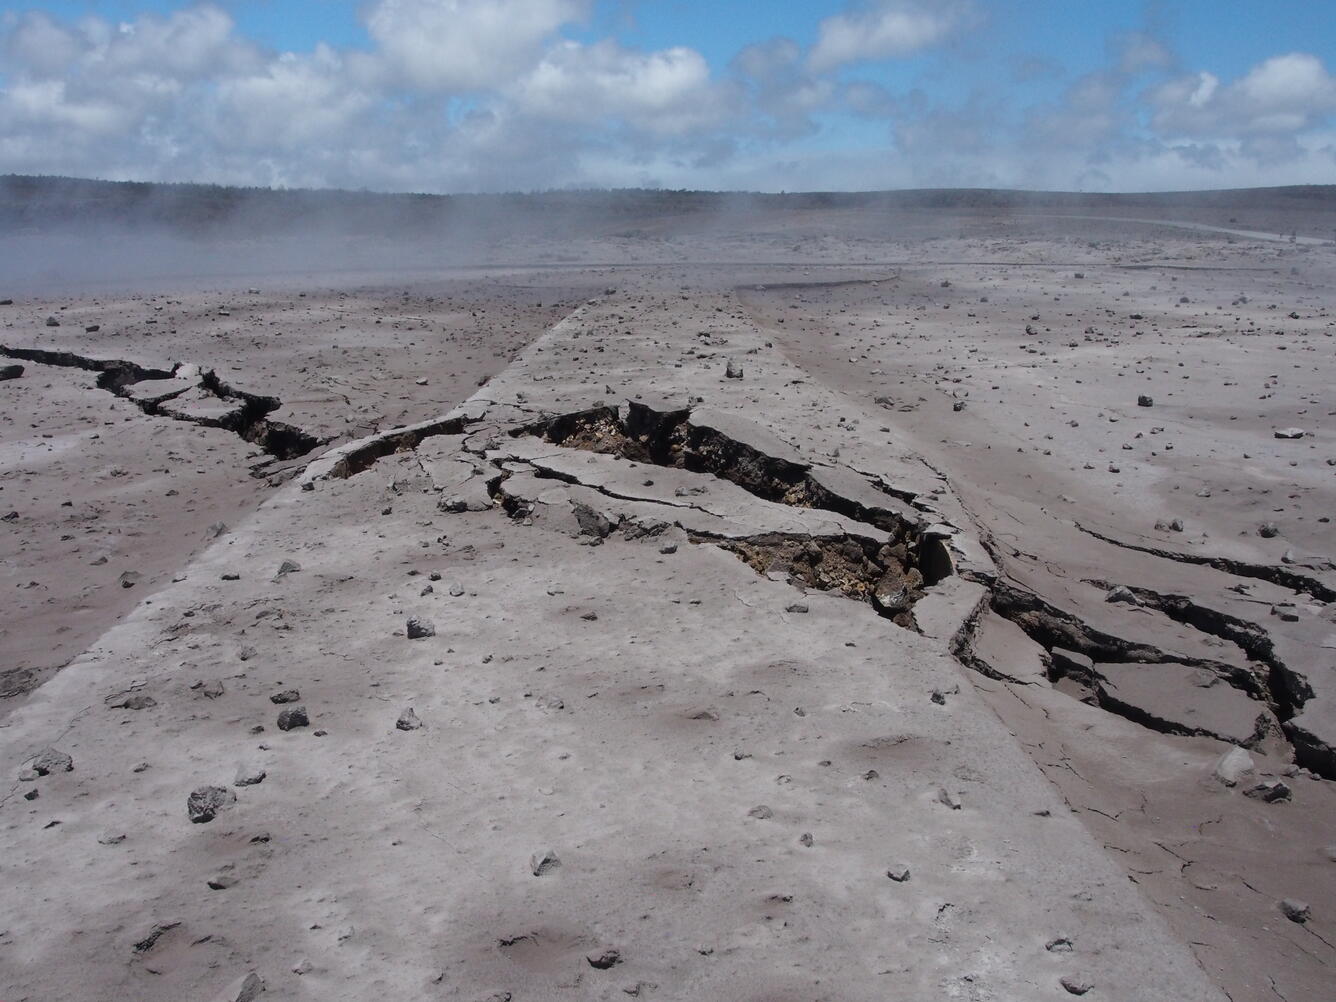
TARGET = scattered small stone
(605,960)
(205,802)
(292,718)
(1121,594)
(1290,433)
(796,607)
(544,862)
(111,838)
(51,760)
(408,721)
(948,799)
(591,523)
(1059,944)
(1270,791)
(1296,910)
(11,372)
(958,406)
(668,548)
(288,567)
(761,812)
(732,370)
(1076,985)
(419,629)
(222,882)
(938,697)
(303,966)
(286,696)
(806,840)
(137,701)
(898,872)
(149,941)
(52,322)
(231,576)
(1268,530)
(456,590)
(1145,400)
(249,775)
(250,988)
(129,579)
(32,794)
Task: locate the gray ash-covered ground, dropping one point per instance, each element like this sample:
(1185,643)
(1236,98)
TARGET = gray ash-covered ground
(926,597)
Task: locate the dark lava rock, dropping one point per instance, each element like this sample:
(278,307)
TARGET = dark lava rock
(293,717)
(1269,790)
(205,803)
(605,960)
(419,629)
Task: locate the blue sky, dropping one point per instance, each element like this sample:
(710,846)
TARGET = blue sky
(442,95)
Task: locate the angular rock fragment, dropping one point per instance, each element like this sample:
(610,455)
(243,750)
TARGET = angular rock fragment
(293,717)
(1270,791)
(1296,910)
(1121,594)
(1232,766)
(51,760)
(420,629)
(408,720)
(249,775)
(135,701)
(206,802)
(543,862)
(591,523)
(604,960)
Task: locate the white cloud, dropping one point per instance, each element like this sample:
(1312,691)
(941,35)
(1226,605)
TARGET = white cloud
(1280,97)
(292,101)
(465,44)
(667,92)
(886,29)
(1138,51)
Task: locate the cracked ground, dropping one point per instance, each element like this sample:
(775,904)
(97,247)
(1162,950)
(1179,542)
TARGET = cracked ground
(771,631)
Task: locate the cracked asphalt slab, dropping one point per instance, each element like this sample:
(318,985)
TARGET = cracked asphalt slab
(781,776)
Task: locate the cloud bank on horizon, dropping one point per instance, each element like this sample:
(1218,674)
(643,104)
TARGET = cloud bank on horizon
(494,95)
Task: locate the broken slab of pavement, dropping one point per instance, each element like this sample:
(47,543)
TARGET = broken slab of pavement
(724,781)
